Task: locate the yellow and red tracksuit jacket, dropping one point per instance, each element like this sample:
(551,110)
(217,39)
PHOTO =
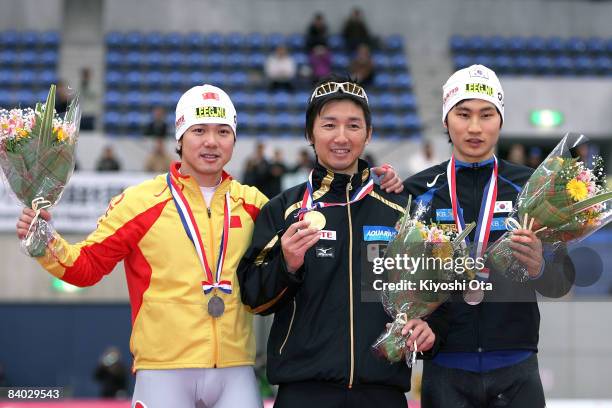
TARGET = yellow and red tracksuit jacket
(171,327)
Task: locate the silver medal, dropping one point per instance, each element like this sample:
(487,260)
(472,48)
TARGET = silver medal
(216,306)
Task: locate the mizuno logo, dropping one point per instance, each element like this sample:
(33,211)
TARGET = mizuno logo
(435,180)
(325,252)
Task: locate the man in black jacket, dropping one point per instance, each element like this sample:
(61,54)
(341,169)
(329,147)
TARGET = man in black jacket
(305,265)
(488,348)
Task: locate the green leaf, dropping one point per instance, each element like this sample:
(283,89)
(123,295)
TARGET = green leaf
(589,202)
(43,128)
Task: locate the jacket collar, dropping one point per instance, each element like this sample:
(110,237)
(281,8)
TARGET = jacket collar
(187,180)
(324,180)
(485,163)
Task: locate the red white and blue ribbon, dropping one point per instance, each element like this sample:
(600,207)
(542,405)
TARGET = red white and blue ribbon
(485,216)
(309,205)
(191,228)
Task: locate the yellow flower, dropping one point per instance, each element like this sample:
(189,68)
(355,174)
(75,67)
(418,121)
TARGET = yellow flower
(61,134)
(442,250)
(577,189)
(20,133)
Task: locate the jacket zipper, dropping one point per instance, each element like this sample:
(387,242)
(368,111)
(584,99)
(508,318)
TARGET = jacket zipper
(475,178)
(214,320)
(280,351)
(349,187)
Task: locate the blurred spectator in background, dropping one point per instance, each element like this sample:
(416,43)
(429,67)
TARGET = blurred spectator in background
(277,171)
(280,69)
(362,67)
(256,171)
(88,100)
(320,62)
(517,154)
(111,373)
(159,160)
(369,157)
(62,97)
(587,152)
(535,157)
(422,160)
(317,32)
(305,162)
(299,173)
(108,161)
(157,127)
(355,31)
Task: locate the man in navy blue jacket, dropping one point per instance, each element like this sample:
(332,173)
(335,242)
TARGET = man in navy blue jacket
(485,355)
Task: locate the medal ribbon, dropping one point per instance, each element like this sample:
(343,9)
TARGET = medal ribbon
(191,228)
(309,205)
(485,216)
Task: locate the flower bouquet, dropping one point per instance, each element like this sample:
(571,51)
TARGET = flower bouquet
(37,155)
(407,299)
(563,201)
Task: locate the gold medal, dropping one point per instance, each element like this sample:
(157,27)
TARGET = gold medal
(317,220)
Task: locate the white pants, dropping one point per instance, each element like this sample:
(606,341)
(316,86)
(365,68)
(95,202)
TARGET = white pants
(230,387)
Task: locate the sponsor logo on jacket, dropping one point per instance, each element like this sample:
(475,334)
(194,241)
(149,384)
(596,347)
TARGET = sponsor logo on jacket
(378,233)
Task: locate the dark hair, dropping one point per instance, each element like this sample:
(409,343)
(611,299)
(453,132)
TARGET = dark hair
(457,104)
(315,105)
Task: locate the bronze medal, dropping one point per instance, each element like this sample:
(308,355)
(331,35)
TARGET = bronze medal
(473,296)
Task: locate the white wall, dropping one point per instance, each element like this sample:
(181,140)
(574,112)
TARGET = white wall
(31,14)
(428,19)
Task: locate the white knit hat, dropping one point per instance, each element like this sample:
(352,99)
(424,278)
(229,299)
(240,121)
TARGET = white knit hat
(204,104)
(475,82)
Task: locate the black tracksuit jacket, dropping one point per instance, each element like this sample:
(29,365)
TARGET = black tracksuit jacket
(322,329)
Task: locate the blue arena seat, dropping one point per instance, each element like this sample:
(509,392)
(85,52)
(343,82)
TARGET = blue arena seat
(134,79)
(29,39)
(114,40)
(458,44)
(295,42)
(394,43)
(195,41)
(235,41)
(273,40)
(9,39)
(50,39)
(153,41)
(536,45)
(255,41)
(134,40)
(47,59)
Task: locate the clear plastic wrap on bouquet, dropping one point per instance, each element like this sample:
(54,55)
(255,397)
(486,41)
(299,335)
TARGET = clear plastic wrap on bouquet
(37,156)
(415,240)
(565,200)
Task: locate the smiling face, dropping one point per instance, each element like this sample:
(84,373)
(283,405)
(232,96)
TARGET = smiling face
(473,126)
(339,135)
(206,149)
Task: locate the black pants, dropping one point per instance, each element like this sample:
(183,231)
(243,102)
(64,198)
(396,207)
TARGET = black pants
(330,395)
(517,386)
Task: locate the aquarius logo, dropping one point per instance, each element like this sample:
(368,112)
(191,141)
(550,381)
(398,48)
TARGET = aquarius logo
(378,233)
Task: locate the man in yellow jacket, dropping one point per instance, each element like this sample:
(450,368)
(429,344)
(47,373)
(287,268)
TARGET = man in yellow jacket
(181,236)
(192,338)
